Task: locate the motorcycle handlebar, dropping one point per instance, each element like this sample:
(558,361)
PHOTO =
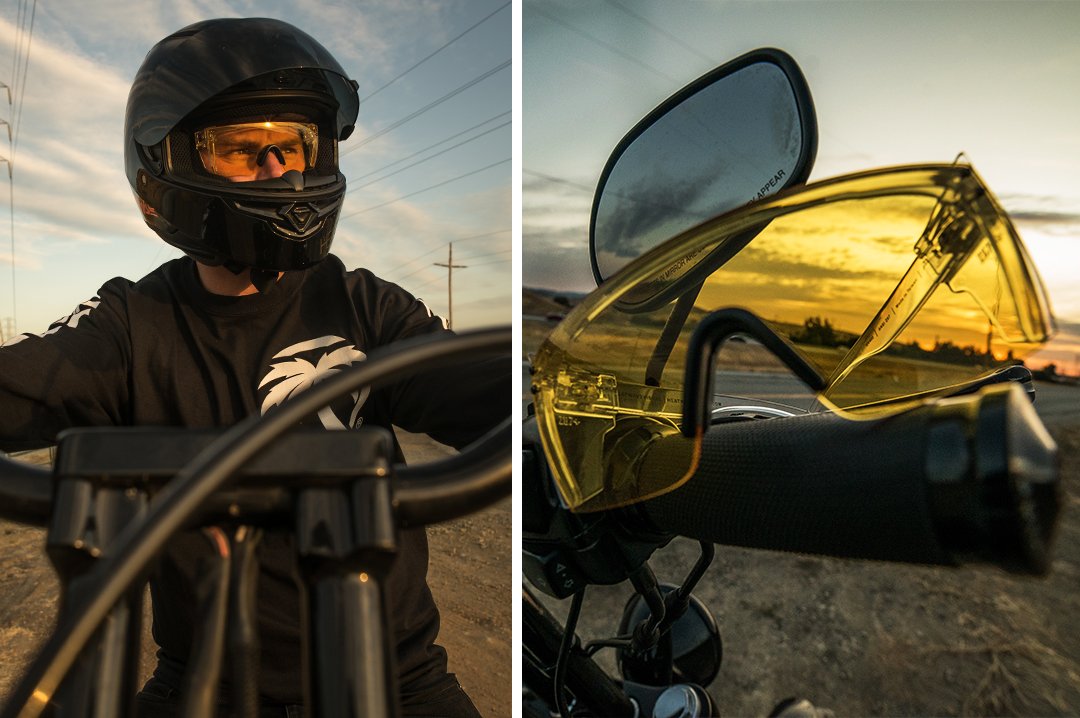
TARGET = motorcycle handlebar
(966,479)
(423,494)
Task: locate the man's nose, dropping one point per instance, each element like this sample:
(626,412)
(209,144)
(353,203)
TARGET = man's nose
(270,163)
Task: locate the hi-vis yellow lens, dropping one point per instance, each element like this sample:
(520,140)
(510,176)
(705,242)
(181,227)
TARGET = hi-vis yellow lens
(237,150)
(890,283)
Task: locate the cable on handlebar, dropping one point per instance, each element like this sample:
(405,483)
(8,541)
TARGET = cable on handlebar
(562,660)
(136,547)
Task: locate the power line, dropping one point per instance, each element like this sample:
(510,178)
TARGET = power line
(425,267)
(425,284)
(426,108)
(18,41)
(429,157)
(439,279)
(436,144)
(16,92)
(496,253)
(432,281)
(436,52)
(488,264)
(425,189)
(436,249)
(674,38)
(22,85)
(557,180)
(606,45)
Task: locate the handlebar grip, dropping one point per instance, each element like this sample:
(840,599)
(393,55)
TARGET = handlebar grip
(965,479)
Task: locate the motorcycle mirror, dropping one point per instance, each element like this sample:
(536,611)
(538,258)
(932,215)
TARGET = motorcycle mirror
(743,131)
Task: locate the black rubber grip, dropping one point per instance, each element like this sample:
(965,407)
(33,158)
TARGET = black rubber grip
(815,484)
(939,484)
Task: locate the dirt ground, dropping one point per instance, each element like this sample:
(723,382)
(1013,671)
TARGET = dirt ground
(865,638)
(470,576)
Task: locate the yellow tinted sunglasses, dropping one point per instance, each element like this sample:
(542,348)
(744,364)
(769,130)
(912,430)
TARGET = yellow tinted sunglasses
(892,285)
(238,149)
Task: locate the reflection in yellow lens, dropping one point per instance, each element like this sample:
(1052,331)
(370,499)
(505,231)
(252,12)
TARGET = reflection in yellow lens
(890,283)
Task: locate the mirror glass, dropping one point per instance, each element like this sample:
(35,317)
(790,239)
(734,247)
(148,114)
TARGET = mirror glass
(736,139)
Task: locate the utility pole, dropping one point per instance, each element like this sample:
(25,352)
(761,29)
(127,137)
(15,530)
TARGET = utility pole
(450,267)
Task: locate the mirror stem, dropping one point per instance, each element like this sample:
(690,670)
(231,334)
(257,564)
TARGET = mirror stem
(672,328)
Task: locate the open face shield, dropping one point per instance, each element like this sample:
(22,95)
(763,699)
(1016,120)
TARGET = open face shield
(891,284)
(239,151)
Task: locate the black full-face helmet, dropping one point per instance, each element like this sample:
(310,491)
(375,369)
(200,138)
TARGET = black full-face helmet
(198,94)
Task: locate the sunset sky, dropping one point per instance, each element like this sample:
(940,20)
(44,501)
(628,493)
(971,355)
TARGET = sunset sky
(429,162)
(893,83)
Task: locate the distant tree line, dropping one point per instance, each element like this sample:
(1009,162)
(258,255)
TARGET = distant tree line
(819,331)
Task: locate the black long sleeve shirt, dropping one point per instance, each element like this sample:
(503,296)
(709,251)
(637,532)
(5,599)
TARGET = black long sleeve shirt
(165,352)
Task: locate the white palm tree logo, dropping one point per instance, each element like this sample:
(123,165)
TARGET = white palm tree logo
(293,375)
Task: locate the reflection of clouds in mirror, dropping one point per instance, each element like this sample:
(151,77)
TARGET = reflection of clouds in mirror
(730,142)
(631,221)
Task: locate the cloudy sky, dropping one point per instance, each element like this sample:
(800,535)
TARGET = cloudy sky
(893,83)
(76,224)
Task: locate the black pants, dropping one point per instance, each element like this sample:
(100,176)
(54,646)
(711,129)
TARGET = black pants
(157,700)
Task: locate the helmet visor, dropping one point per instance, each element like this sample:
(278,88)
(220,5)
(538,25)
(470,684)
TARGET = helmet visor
(240,151)
(198,63)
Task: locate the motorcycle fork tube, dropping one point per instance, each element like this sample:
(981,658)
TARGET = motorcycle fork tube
(541,635)
(85,521)
(347,541)
(243,635)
